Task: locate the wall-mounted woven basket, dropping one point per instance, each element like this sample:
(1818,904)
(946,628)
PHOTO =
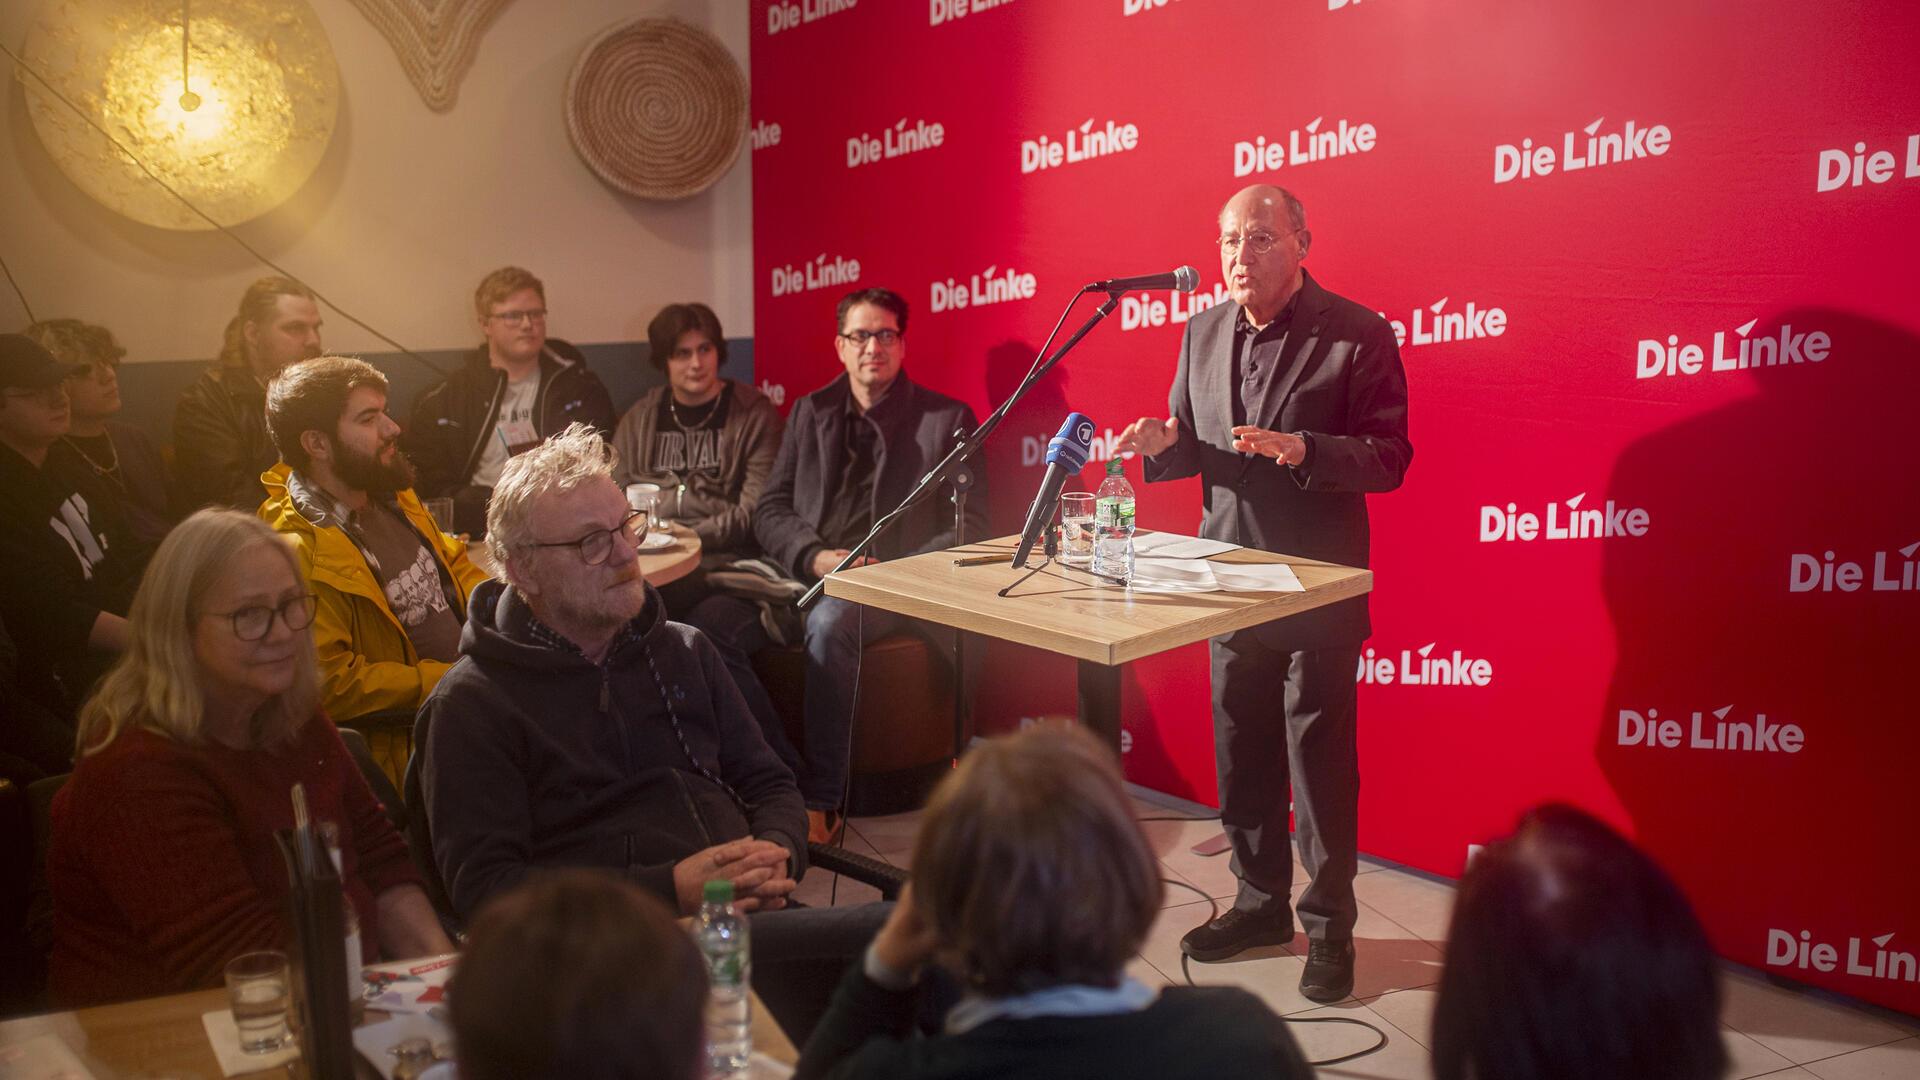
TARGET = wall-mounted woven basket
(657,108)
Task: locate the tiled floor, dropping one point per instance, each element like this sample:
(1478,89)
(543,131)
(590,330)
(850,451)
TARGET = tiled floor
(1770,1030)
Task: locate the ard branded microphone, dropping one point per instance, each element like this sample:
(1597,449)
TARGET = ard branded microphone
(1066,455)
(1185,279)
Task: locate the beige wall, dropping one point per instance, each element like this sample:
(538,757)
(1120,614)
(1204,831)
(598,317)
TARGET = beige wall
(406,212)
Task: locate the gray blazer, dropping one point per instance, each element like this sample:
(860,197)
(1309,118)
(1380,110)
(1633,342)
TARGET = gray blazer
(1342,387)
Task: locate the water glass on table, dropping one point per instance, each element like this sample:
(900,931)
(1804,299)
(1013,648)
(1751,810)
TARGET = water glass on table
(441,511)
(258,991)
(1076,528)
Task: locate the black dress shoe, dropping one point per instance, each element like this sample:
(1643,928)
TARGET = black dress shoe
(1329,973)
(1234,932)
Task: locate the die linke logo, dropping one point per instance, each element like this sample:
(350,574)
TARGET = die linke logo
(1893,571)
(1655,359)
(763,135)
(896,141)
(1709,730)
(1084,143)
(950,11)
(1785,949)
(1839,169)
(786,16)
(1302,145)
(1178,307)
(1631,143)
(1564,521)
(990,286)
(1141,7)
(1435,325)
(1420,667)
(821,273)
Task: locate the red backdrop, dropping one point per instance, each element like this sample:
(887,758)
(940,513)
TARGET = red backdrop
(1581,216)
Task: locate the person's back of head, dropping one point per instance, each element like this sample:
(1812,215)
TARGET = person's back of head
(578,974)
(1030,867)
(1572,954)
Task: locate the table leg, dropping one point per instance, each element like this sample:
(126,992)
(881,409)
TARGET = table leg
(1100,701)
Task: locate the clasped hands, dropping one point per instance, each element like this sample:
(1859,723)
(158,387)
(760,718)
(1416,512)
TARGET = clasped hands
(757,868)
(1151,437)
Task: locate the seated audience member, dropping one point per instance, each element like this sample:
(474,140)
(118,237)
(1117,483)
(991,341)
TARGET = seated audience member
(162,863)
(391,588)
(119,454)
(1572,954)
(517,388)
(578,973)
(1034,886)
(709,443)
(220,440)
(584,729)
(69,562)
(852,451)
(34,743)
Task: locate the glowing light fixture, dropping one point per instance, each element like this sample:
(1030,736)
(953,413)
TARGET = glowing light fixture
(231,102)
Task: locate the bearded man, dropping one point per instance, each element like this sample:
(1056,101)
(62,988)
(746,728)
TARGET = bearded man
(390,587)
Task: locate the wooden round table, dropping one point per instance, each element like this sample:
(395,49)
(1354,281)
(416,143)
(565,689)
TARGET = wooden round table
(674,562)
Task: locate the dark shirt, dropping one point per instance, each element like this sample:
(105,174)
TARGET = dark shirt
(66,555)
(1256,357)
(850,506)
(125,458)
(686,440)
(410,576)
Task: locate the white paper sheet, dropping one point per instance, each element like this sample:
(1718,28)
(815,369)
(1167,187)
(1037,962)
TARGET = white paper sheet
(1156,574)
(1177,546)
(376,1041)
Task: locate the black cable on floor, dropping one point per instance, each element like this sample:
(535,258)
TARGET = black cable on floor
(1186,971)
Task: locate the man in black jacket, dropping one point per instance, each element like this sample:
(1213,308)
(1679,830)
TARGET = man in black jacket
(69,563)
(220,440)
(581,728)
(1290,404)
(852,451)
(517,388)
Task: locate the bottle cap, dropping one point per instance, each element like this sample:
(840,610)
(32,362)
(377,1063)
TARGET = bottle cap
(1116,467)
(719,892)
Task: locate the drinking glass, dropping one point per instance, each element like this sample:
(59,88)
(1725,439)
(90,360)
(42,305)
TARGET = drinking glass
(441,511)
(645,497)
(1076,528)
(257,989)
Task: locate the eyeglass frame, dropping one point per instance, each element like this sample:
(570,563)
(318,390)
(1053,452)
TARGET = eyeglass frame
(308,601)
(528,316)
(859,338)
(1231,244)
(580,543)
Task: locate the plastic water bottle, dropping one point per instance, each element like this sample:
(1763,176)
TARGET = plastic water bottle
(721,933)
(1113,525)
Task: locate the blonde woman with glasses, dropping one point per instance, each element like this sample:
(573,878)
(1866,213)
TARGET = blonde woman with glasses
(163,864)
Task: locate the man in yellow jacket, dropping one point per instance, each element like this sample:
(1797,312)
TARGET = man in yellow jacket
(390,587)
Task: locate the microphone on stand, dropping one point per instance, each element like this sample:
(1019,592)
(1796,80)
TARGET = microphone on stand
(1185,279)
(1066,456)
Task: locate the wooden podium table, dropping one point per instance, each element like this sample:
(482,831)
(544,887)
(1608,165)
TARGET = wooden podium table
(1066,610)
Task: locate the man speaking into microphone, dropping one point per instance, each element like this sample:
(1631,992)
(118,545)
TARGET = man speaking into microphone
(1290,404)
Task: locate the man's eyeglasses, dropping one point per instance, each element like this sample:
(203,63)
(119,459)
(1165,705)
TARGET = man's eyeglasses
(887,338)
(531,315)
(1258,242)
(253,622)
(598,544)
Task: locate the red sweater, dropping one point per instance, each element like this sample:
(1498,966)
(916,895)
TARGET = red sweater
(163,864)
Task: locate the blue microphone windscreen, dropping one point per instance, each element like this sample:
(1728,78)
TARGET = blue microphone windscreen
(1075,441)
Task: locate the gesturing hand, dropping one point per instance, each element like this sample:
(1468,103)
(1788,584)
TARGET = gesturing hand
(1278,445)
(757,869)
(1149,437)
